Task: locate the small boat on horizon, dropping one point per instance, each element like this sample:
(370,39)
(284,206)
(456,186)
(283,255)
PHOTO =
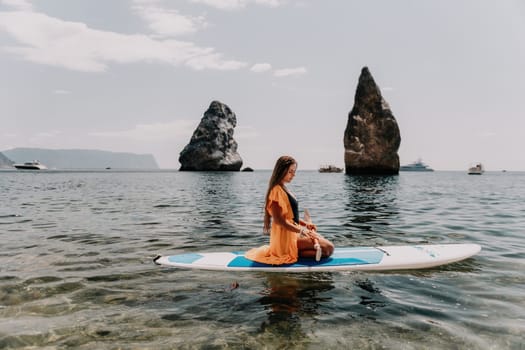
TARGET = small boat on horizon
(34,165)
(476,169)
(330,169)
(418,165)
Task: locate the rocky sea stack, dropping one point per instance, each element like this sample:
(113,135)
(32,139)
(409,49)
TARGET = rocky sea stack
(212,147)
(372,136)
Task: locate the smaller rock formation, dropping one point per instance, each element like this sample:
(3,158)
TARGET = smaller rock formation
(212,147)
(247,169)
(372,136)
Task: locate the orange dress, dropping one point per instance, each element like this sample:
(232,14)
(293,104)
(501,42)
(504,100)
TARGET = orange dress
(283,243)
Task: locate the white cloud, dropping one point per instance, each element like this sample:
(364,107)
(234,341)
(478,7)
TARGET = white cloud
(20,5)
(237,4)
(42,138)
(261,67)
(223,4)
(487,133)
(245,132)
(270,3)
(146,2)
(166,22)
(46,134)
(61,92)
(73,45)
(213,60)
(289,71)
(154,132)
(47,40)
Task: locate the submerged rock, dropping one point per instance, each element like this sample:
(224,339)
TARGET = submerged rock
(212,147)
(372,136)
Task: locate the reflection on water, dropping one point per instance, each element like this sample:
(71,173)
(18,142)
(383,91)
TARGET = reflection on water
(290,298)
(371,203)
(224,202)
(372,299)
(214,196)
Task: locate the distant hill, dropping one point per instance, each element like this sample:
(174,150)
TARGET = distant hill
(82,159)
(5,162)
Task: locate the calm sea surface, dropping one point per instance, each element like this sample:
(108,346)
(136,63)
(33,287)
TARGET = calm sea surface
(76,267)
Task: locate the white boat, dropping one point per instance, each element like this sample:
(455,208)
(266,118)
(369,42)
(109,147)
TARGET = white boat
(34,165)
(476,169)
(418,165)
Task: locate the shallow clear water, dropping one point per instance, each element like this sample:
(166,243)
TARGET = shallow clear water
(76,262)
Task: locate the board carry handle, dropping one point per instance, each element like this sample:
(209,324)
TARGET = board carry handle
(157,258)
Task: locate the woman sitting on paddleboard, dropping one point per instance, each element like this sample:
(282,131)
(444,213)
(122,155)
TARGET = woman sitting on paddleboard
(290,237)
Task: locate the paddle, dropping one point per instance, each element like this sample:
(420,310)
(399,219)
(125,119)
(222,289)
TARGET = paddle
(317,246)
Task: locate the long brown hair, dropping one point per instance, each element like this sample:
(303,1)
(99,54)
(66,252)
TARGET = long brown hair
(279,172)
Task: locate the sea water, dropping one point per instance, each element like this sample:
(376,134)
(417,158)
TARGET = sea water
(76,269)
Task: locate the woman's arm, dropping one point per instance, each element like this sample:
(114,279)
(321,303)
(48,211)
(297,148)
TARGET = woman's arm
(279,218)
(308,225)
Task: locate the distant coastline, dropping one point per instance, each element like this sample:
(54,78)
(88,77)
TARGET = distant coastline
(82,158)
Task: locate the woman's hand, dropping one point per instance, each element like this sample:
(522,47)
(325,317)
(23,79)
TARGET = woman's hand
(312,235)
(311,226)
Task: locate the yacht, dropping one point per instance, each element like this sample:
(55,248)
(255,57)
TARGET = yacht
(476,169)
(418,165)
(330,169)
(34,165)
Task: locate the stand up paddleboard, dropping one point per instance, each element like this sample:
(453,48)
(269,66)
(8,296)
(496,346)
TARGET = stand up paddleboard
(344,259)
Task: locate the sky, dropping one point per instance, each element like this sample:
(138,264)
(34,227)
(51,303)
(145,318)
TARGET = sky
(137,76)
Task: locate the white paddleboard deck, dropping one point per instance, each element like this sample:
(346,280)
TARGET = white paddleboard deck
(344,259)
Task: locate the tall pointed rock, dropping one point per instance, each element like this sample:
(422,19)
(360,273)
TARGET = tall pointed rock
(372,136)
(212,147)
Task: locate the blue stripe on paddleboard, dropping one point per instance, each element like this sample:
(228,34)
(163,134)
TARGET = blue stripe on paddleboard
(359,256)
(184,258)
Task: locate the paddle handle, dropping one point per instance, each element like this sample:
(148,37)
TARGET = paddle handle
(317,246)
